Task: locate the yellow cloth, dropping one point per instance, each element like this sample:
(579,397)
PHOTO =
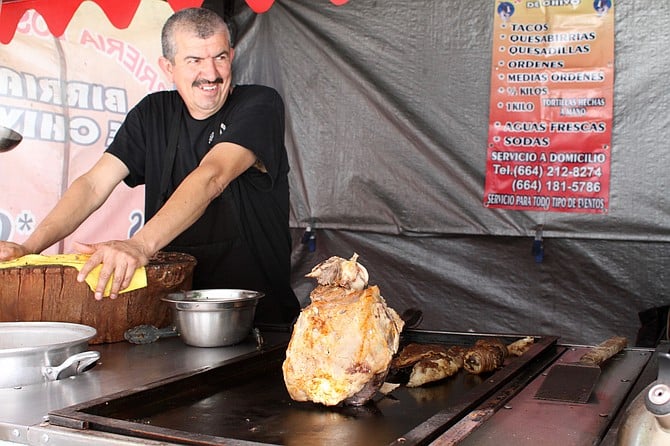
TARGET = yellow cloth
(139,279)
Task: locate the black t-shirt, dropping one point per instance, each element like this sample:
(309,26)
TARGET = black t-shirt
(242,240)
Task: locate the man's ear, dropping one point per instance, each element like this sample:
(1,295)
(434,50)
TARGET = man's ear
(166,66)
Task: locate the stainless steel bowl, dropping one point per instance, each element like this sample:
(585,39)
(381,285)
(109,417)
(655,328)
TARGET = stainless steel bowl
(213,318)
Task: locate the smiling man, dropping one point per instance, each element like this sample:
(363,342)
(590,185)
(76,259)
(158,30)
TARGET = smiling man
(212,158)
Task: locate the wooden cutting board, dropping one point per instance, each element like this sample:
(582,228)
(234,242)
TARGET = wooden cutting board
(51,293)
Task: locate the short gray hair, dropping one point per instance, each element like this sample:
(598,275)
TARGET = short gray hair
(201,21)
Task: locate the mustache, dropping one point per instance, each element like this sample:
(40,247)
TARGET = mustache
(200,82)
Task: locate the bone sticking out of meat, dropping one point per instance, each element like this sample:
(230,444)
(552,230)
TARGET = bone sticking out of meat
(343,341)
(387,387)
(436,367)
(518,348)
(485,356)
(339,272)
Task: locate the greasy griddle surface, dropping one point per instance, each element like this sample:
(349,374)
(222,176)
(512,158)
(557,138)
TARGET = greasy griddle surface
(248,401)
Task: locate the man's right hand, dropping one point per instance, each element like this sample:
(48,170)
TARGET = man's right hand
(119,259)
(11,251)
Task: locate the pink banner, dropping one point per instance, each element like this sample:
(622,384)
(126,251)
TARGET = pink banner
(68,107)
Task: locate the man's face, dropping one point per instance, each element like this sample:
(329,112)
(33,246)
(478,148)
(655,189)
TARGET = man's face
(201,71)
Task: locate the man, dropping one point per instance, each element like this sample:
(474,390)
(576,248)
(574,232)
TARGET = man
(214,165)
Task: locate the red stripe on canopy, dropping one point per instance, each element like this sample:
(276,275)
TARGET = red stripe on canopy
(57,14)
(260,6)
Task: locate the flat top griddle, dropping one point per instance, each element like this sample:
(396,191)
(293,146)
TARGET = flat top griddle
(246,402)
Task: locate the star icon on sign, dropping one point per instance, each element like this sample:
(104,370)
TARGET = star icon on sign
(25,222)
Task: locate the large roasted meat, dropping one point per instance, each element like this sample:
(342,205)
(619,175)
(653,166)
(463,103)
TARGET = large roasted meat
(343,342)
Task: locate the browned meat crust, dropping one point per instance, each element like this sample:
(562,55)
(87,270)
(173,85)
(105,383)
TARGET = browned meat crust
(413,353)
(436,367)
(485,356)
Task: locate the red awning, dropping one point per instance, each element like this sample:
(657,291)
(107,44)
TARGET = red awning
(57,14)
(263,5)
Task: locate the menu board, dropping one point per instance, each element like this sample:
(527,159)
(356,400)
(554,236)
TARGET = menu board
(550,117)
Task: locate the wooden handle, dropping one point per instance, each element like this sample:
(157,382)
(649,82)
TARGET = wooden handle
(604,351)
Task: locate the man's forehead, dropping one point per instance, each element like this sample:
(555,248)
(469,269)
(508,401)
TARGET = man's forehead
(189,43)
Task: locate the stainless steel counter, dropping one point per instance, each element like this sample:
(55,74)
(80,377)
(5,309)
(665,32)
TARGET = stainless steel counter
(122,366)
(524,420)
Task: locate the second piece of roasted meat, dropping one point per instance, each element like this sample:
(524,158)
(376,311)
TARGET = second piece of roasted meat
(434,362)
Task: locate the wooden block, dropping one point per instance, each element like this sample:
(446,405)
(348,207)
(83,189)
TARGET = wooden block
(51,293)
(31,293)
(10,280)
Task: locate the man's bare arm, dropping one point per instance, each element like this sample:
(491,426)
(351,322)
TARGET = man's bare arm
(219,167)
(80,200)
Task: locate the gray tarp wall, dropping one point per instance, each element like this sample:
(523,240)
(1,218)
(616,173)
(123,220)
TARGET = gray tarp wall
(387,120)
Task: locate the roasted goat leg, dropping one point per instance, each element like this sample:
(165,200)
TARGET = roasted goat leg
(342,343)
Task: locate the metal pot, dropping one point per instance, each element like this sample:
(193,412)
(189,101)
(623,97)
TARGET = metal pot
(647,418)
(213,318)
(34,352)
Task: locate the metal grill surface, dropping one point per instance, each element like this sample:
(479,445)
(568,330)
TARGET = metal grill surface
(246,402)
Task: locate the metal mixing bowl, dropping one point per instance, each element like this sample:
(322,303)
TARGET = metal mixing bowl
(213,318)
